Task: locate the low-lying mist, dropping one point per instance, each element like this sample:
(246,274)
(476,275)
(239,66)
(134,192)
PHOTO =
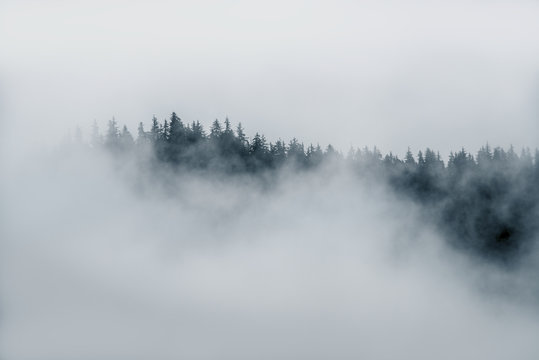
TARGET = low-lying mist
(106,259)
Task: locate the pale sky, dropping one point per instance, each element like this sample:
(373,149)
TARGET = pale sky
(442,74)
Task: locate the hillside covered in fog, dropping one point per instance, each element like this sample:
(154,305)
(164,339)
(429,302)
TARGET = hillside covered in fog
(414,235)
(486,204)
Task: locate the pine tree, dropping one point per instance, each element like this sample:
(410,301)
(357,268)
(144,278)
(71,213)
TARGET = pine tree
(278,152)
(315,155)
(227,141)
(258,145)
(126,141)
(216,130)
(242,144)
(142,136)
(420,159)
(96,140)
(113,135)
(177,139)
(155,131)
(296,152)
(241,135)
(228,129)
(409,158)
(177,130)
(484,156)
(196,133)
(165,131)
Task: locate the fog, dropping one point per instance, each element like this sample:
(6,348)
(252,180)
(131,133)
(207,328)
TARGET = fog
(102,259)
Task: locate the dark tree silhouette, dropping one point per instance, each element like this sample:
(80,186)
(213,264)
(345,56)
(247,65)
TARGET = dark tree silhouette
(487,204)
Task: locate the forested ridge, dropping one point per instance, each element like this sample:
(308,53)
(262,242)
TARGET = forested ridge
(484,203)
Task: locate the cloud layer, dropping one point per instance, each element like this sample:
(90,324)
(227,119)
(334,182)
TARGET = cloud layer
(110,262)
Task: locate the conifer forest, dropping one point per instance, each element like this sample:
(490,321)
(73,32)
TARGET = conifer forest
(485,203)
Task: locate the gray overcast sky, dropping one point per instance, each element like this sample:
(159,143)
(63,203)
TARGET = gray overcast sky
(442,74)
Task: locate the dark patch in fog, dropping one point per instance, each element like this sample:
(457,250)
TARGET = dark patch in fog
(107,257)
(485,205)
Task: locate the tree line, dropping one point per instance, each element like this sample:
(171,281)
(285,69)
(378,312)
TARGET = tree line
(485,203)
(187,145)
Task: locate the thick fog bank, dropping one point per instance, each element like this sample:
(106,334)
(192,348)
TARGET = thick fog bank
(102,260)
